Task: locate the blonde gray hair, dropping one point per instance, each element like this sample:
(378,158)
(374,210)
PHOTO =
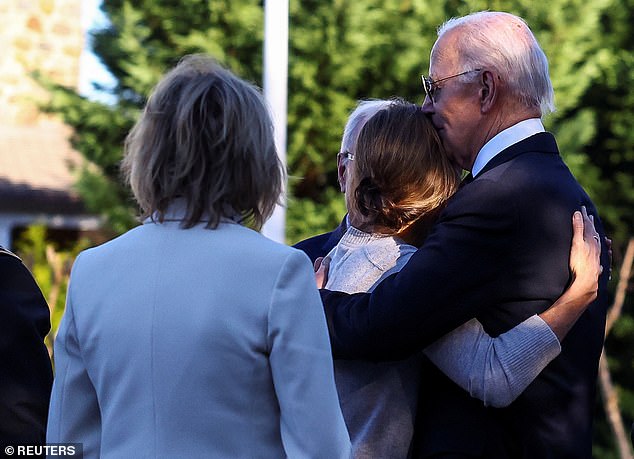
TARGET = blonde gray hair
(400,177)
(504,42)
(359,116)
(205,136)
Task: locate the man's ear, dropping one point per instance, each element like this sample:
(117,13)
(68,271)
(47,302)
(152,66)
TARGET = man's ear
(341,173)
(489,88)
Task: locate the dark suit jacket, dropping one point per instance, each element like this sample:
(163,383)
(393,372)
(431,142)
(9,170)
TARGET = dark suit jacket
(25,369)
(499,252)
(320,245)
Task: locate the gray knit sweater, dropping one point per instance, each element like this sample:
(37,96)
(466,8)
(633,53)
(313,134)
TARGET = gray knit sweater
(378,400)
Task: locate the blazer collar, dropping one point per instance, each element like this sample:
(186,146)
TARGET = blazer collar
(504,139)
(543,142)
(336,234)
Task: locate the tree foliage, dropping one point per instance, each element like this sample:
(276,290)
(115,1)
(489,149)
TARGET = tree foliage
(50,266)
(341,51)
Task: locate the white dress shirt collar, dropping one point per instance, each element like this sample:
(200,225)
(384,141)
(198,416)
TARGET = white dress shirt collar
(505,139)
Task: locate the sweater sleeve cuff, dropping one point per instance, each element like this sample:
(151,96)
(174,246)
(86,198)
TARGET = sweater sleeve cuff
(526,350)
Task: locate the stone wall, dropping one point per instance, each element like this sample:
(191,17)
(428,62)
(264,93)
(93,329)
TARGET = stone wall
(38,167)
(44,35)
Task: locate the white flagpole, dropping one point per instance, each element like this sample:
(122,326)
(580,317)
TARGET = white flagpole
(275,92)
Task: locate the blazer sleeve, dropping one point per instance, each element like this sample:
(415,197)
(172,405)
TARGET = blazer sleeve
(25,368)
(495,370)
(445,283)
(312,425)
(74,415)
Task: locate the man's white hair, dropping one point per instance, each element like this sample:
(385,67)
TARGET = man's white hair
(504,42)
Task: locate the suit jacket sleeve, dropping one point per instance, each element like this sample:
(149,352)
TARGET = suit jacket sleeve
(446,282)
(74,412)
(312,425)
(25,369)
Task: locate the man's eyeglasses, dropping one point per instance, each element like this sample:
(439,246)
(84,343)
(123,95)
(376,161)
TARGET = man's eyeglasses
(346,154)
(432,85)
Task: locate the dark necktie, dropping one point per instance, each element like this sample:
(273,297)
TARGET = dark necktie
(468,179)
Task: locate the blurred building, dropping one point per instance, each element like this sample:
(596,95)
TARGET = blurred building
(38,167)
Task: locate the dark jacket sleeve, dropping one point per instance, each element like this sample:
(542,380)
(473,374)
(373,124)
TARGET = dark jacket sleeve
(26,375)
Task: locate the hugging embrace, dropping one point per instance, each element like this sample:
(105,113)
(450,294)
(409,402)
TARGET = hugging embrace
(498,253)
(193,335)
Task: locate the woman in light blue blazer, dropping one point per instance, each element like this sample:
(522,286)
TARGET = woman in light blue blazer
(193,335)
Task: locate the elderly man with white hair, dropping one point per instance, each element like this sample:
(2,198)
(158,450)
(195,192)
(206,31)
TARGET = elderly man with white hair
(499,253)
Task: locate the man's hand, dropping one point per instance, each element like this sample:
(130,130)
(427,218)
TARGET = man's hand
(321,271)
